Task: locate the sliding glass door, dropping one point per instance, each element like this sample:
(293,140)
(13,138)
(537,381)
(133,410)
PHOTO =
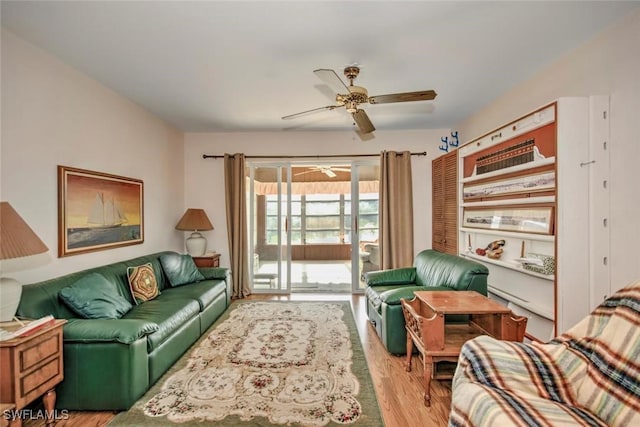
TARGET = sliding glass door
(364,222)
(270,208)
(314,227)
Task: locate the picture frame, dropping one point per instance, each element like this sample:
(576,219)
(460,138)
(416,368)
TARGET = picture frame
(542,181)
(98,211)
(520,219)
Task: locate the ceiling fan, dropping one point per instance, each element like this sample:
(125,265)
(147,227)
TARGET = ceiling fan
(352,96)
(327,170)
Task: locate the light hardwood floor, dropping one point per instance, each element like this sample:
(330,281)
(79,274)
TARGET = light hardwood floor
(399,393)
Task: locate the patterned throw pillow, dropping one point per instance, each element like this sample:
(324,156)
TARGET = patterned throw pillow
(143,283)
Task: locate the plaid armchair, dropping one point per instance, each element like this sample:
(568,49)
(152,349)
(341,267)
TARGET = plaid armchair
(589,375)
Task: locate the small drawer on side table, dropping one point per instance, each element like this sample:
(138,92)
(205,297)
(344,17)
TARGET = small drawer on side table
(210,260)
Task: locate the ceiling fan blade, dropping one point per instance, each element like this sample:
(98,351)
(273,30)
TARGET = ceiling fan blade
(303,113)
(305,172)
(329,173)
(331,78)
(363,122)
(366,136)
(422,95)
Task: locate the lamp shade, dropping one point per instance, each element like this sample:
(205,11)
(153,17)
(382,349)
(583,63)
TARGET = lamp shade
(193,220)
(17,239)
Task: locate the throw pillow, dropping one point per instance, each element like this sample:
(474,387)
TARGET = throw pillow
(180,269)
(143,283)
(94,297)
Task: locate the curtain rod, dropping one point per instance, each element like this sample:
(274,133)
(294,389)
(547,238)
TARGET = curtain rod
(211,156)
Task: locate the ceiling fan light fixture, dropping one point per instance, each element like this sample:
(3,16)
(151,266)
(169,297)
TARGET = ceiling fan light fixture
(352,106)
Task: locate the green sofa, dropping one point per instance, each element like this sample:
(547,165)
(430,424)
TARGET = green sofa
(111,363)
(431,271)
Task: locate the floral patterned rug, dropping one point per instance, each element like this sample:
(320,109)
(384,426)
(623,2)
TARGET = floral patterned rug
(267,363)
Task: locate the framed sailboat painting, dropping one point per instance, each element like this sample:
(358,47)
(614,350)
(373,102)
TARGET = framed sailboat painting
(98,211)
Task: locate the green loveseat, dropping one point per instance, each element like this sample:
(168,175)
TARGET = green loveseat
(111,363)
(431,271)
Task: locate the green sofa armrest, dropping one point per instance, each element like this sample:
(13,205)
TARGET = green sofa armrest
(392,297)
(210,273)
(124,331)
(396,276)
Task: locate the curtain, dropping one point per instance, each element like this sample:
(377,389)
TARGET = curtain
(396,210)
(235,198)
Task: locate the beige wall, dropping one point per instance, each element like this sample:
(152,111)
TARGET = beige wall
(204,179)
(54,115)
(609,64)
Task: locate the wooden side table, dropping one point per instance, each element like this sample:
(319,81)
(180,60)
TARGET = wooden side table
(438,341)
(6,413)
(31,367)
(207,260)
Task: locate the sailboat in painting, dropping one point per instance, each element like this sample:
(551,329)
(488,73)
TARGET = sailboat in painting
(105,224)
(105,214)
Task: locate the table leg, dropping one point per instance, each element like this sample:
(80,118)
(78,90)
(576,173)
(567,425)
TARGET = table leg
(11,419)
(409,352)
(49,402)
(428,373)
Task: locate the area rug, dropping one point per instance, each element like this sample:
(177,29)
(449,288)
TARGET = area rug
(267,363)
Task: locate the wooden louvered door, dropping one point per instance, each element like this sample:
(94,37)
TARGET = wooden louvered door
(450,185)
(437,203)
(445,203)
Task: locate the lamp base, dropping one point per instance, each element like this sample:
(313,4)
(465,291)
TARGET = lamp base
(196,244)
(10,293)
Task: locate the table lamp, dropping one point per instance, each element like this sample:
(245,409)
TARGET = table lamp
(17,240)
(194,220)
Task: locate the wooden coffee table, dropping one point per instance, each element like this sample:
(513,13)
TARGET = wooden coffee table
(438,341)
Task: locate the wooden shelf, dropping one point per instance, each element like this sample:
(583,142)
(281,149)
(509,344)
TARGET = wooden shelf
(521,201)
(514,234)
(509,265)
(540,311)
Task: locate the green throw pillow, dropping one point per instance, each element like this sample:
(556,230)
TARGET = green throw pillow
(142,282)
(94,297)
(180,269)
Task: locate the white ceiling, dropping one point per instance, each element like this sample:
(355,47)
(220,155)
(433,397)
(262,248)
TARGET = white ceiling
(241,66)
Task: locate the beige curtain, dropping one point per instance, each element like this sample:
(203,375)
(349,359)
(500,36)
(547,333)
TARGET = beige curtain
(235,197)
(396,210)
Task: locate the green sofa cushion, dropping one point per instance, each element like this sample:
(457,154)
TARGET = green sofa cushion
(204,292)
(95,297)
(180,269)
(397,276)
(435,268)
(124,331)
(210,273)
(373,294)
(170,314)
